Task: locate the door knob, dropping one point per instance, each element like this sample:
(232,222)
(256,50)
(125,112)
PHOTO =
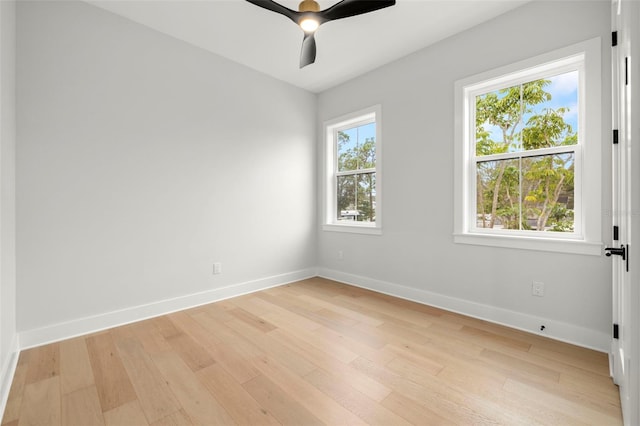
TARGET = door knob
(617,251)
(621,251)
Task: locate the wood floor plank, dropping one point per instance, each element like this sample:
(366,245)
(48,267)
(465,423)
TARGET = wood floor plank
(191,352)
(226,335)
(332,307)
(481,382)
(234,363)
(41,403)
(253,320)
(44,363)
(196,400)
(166,327)
(446,402)
(153,394)
(112,381)
(373,389)
(282,311)
(127,414)
(493,339)
(75,366)
(577,359)
(417,371)
(353,400)
(187,324)
(238,402)
(519,368)
(82,408)
(293,361)
(319,341)
(576,396)
(580,412)
(181,418)
(593,387)
(321,405)
(218,311)
(150,337)
(279,403)
(413,412)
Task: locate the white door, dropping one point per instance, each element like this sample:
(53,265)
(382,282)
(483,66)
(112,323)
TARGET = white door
(625,212)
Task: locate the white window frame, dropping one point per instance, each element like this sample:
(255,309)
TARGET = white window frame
(587,235)
(331,128)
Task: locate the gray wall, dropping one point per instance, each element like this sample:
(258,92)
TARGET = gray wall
(8,336)
(142,160)
(416,256)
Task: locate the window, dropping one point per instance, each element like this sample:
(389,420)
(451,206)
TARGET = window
(528,154)
(352,184)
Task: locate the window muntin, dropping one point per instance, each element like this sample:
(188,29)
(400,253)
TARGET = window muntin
(352,193)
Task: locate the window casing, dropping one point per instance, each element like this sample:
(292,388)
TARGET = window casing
(352,196)
(515,185)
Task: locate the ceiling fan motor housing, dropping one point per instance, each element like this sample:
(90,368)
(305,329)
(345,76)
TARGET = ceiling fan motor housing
(309,6)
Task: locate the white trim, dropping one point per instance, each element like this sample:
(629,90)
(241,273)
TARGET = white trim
(531,243)
(352,228)
(6,374)
(372,114)
(81,326)
(588,194)
(556,330)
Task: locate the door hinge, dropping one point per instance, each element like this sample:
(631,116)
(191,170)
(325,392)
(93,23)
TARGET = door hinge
(615,136)
(615,331)
(614,39)
(616,230)
(626,71)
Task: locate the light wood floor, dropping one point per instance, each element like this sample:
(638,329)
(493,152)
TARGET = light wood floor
(313,352)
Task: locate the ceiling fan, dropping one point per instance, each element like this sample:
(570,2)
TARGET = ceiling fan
(309,17)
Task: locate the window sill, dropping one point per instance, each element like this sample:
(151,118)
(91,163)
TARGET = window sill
(354,229)
(531,243)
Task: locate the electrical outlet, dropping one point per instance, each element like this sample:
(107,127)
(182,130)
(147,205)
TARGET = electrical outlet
(537,289)
(217,268)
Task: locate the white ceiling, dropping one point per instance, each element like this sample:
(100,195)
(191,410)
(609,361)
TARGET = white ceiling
(270,43)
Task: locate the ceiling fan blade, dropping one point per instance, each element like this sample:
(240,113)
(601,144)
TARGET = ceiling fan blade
(308,53)
(347,8)
(278,8)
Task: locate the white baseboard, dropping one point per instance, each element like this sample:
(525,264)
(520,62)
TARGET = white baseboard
(78,327)
(7,371)
(557,330)
(553,329)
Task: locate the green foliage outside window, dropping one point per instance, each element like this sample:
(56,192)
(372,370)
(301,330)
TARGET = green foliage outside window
(356,181)
(526,188)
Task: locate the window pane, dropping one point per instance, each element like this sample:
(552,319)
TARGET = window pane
(548,189)
(532,193)
(357,197)
(537,114)
(356,148)
(551,115)
(498,121)
(498,194)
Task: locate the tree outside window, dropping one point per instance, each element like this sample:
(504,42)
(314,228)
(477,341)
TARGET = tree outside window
(526,141)
(356,177)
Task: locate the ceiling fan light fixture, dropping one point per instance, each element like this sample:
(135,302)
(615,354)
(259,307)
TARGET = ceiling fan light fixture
(309,25)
